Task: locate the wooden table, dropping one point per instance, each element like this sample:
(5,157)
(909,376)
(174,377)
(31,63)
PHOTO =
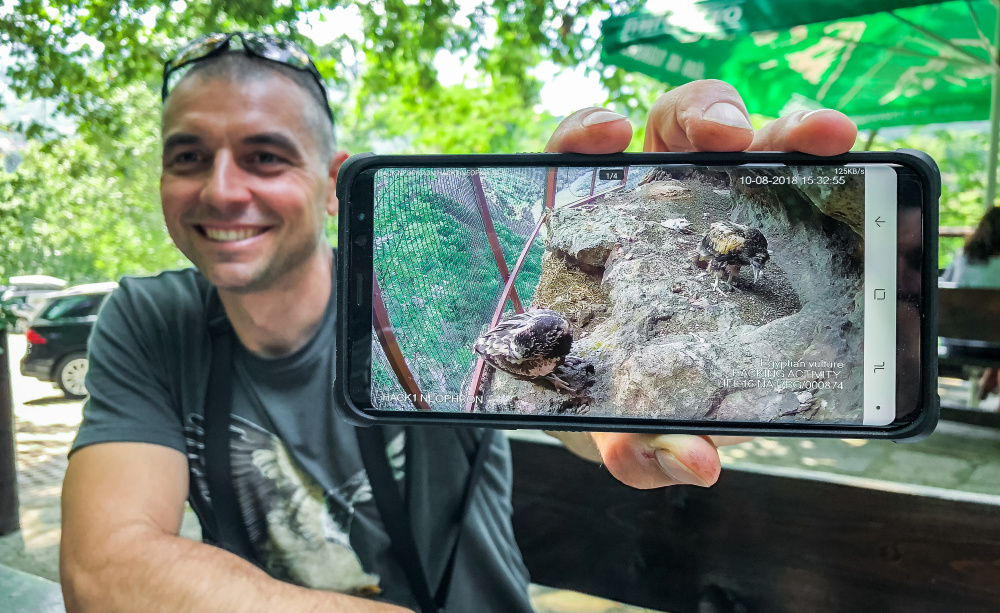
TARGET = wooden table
(776,543)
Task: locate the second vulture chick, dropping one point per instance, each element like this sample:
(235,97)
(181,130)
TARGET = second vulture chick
(529,345)
(728,246)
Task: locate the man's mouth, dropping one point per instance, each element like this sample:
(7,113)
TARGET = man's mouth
(229,236)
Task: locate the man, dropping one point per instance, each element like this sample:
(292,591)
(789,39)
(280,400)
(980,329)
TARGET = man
(248,177)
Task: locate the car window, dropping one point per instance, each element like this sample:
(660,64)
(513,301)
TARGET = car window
(73,306)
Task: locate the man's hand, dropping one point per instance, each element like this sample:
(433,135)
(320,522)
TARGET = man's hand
(699,116)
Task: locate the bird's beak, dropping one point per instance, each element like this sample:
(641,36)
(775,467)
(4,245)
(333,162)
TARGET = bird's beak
(758,273)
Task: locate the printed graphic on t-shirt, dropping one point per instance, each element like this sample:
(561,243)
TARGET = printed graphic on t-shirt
(300,533)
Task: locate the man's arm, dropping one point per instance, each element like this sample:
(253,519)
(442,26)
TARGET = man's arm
(122,505)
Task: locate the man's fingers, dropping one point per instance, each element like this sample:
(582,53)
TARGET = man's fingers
(705,116)
(646,461)
(823,132)
(593,130)
(699,116)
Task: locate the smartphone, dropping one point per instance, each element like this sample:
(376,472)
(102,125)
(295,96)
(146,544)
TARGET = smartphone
(705,293)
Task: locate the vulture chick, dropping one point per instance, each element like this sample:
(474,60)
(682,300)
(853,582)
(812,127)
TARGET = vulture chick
(728,246)
(529,345)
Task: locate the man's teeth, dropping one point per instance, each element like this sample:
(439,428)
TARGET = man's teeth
(232,235)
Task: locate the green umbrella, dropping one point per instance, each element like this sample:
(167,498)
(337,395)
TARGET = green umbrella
(881,62)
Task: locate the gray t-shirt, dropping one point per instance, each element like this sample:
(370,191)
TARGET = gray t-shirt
(298,475)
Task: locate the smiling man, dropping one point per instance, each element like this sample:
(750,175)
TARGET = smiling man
(248,179)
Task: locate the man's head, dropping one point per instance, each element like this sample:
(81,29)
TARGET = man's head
(244,56)
(249,172)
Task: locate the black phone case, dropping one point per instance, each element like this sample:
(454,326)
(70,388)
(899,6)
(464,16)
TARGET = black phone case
(349,265)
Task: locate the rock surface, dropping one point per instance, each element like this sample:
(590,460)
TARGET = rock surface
(664,343)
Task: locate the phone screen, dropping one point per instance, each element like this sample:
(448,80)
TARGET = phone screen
(755,293)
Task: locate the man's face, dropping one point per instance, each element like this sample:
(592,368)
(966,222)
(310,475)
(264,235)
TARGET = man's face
(244,190)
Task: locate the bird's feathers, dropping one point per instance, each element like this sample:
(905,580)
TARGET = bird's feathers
(722,239)
(728,246)
(530,344)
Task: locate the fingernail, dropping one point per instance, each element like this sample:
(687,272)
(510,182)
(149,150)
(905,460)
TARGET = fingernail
(811,113)
(677,471)
(601,117)
(727,114)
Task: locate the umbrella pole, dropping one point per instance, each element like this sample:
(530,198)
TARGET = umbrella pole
(991,162)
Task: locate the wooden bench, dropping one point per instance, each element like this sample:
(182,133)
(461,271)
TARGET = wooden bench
(969,314)
(773,543)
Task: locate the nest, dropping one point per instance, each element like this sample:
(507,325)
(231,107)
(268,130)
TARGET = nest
(572,292)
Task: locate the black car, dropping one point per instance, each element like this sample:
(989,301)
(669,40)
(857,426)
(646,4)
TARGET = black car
(57,337)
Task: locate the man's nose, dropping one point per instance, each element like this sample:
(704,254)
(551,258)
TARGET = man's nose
(226,186)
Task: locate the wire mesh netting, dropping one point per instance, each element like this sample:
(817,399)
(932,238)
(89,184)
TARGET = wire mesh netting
(439,278)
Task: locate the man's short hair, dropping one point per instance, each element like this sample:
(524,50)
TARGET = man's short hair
(238,66)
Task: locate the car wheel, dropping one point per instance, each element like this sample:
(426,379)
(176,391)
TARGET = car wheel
(70,375)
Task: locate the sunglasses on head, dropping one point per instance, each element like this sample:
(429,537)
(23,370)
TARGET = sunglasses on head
(263,46)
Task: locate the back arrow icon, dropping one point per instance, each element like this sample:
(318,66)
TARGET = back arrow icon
(879,221)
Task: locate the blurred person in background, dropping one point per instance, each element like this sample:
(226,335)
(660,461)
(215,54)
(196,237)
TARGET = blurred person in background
(977,265)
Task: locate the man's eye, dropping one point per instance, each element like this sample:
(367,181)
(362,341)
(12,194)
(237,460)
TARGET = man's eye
(186,157)
(264,157)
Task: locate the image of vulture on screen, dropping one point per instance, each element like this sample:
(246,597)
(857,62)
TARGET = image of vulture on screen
(729,246)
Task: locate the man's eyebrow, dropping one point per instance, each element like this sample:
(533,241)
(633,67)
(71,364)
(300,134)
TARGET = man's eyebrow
(274,139)
(177,140)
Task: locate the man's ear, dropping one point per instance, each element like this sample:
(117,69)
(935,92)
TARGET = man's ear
(332,204)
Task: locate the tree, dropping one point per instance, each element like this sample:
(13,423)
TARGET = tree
(87,209)
(78,52)
(100,61)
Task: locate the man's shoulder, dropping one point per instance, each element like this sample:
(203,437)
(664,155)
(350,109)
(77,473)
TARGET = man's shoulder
(168,290)
(187,280)
(171,298)
(144,356)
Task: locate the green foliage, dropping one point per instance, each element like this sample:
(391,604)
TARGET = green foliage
(85,206)
(491,118)
(7,318)
(332,227)
(78,52)
(961,157)
(88,210)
